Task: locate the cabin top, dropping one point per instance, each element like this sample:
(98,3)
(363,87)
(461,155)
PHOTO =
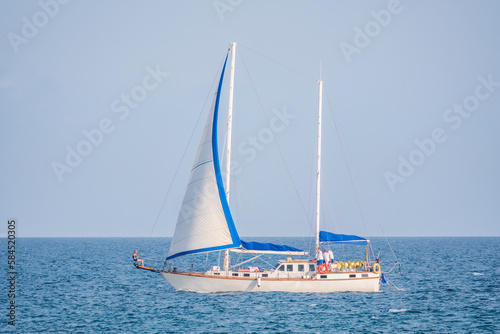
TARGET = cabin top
(290,260)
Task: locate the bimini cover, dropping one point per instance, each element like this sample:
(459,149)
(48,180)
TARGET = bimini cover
(328,237)
(205,223)
(262,246)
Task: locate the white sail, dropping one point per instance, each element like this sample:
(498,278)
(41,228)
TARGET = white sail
(204,222)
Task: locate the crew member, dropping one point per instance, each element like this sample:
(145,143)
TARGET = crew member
(136,258)
(331,255)
(326,256)
(319,256)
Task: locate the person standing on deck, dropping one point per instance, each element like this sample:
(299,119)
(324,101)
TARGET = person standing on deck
(319,256)
(326,256)
(331,255)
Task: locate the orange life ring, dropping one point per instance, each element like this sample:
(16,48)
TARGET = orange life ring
(322,269)
(376,268)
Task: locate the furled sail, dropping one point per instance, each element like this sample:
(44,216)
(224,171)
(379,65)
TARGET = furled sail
(265,246)
(328,237)
(205,223)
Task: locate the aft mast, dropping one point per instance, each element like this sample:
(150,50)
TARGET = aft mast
(318,175)
(229,135)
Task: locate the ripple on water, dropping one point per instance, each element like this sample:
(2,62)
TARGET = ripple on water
(394,310)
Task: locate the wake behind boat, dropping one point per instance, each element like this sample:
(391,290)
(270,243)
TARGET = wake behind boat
(205,224)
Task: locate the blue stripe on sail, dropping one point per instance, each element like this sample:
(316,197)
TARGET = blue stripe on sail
(194,251)
(200,164)
(222,193)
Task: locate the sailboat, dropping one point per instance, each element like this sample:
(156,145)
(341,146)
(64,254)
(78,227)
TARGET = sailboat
(205,224)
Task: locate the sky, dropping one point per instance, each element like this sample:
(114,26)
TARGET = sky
(103,106)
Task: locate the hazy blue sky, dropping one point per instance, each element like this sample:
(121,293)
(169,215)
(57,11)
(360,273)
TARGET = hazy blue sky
(414,87)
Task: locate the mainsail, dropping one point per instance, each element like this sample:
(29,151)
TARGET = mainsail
(205,223)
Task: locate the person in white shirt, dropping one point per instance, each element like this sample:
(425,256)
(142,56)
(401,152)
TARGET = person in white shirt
(331,255)
(326,256)
(319,256)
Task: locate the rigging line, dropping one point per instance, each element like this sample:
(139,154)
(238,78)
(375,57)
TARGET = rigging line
(185,149)
(254,210)
(312,180)
(246,261)
(249,201)
(390,283)
(335,220)
(372,207)
(349,171)
(322,213)
(388,243)
(279,63)
(237,195)
(223,156)
(310,206)
(275,140)
(347,165)
(270,264)
(370,203)
(394,266)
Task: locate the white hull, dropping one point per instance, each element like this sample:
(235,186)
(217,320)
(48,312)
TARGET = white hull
(336,282)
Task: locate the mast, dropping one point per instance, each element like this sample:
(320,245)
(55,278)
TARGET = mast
(229,135)
(230,120)
(318,175)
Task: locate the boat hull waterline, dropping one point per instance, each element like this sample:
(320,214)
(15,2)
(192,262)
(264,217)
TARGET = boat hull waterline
(199,282)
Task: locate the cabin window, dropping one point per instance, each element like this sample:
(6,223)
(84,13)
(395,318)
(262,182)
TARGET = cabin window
(352,275)
(289,267)
(265,275)
(282,268)
(301,267)
(324,276)
(235,274)
(246,275)
(311,267)
(364,275)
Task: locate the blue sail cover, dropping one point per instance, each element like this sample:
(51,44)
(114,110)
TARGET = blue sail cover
(262,246)
(328,237)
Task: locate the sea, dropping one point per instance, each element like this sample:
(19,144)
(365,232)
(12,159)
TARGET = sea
(89,285)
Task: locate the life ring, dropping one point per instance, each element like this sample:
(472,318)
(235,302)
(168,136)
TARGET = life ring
(376,268)
(322,269)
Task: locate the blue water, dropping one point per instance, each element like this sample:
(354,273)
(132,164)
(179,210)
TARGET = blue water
(87,285)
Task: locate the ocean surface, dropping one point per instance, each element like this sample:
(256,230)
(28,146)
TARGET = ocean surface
(89,285)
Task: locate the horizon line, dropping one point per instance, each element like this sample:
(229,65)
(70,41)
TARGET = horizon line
(376,236)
